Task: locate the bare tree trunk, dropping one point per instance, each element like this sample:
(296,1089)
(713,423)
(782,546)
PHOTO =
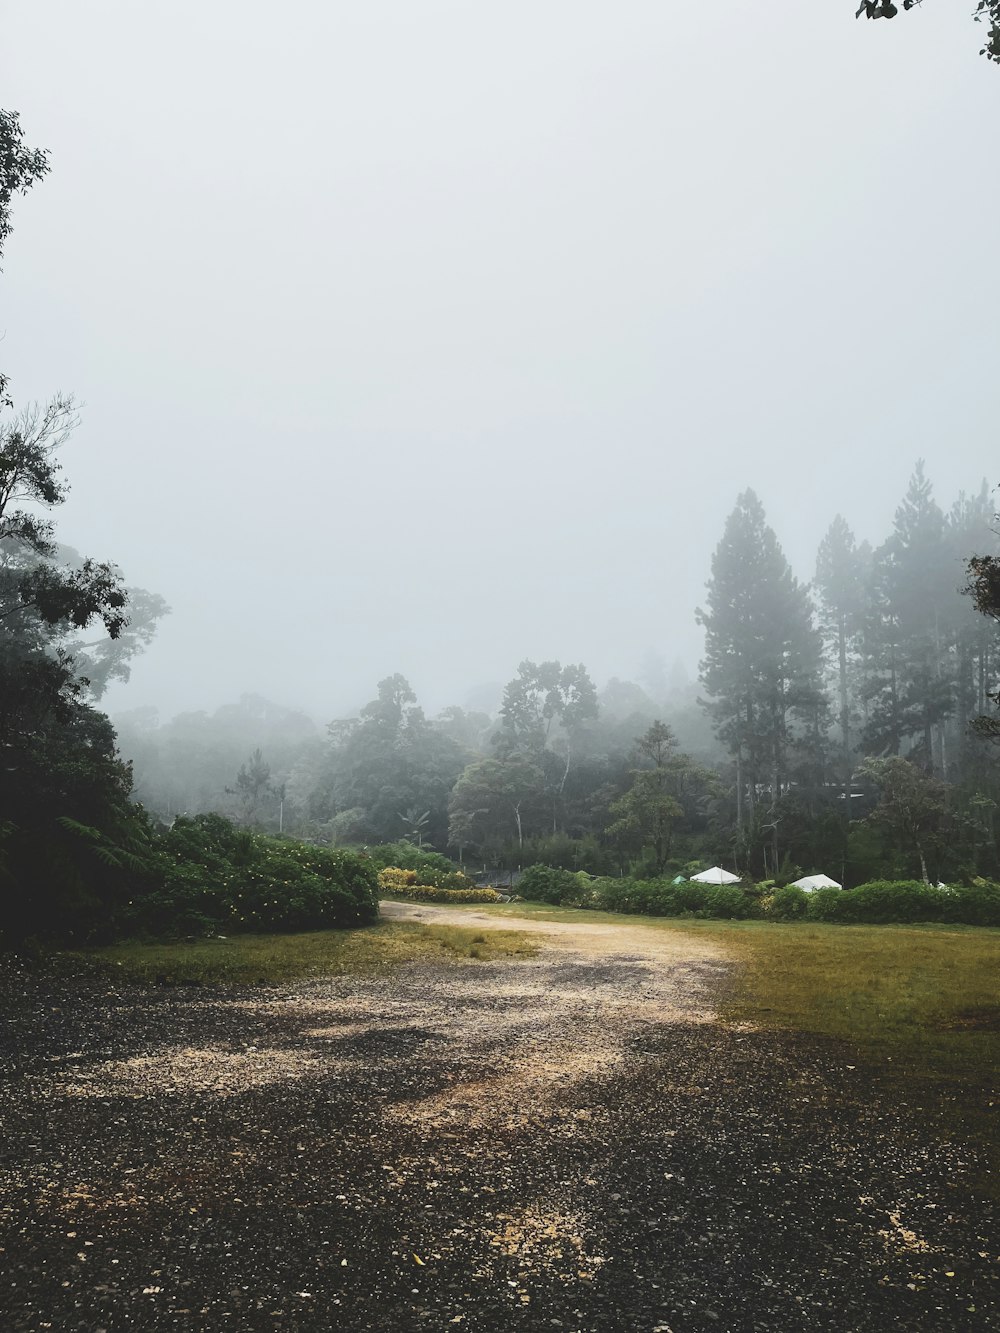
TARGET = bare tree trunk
(942,724)
(981,694)
(894,700)
(845,727)
(777,769)
(928,745)
(986,673)
(967,682)
(565,775)
(739,787)
(776,787)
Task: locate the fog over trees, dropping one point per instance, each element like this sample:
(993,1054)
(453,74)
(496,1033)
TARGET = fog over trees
(816,701)
(589,477)
(477,370)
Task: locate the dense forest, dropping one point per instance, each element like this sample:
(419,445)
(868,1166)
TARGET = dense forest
(832,729)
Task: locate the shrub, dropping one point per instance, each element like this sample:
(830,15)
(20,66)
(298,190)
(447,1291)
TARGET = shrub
(180,901)
(661,897)
(443,879)
(888,900)
(454,879)
(641,897)
(910,900)
(394,878)
(788,904)
(690,897)
(209,841)
(548,884)
(297,888)
(428,893)
(825,905)
(977,904)
(729,902)
(877,903)
(209,875)
(404,856)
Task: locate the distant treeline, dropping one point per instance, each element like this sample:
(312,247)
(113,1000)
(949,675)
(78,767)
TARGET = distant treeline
(832,730)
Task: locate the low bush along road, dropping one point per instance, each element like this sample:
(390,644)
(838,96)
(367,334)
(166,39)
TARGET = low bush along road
(570,1140)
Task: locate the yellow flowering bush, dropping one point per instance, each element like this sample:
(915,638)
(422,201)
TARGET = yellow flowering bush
(394,879)
(426,893)
(446,887)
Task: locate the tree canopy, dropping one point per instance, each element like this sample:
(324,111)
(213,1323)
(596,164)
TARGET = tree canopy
(70,836)
(985,11)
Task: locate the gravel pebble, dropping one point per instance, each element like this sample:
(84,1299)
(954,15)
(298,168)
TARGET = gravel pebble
(571,1141)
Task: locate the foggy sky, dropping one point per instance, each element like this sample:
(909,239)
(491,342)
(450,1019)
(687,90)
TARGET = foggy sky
(425,337)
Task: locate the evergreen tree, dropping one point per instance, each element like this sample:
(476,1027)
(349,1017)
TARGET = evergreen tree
(762,669)
(910,688)
(666,789)
(841,581)
(977,652)
(648,811)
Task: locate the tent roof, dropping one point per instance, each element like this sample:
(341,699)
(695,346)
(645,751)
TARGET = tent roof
(815,882)
(715,875)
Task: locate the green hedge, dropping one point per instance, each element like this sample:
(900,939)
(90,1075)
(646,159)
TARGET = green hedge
(788,903)
(550,884)
(883,901)
(208,876)
(427,893)
(878,902)
(663,898)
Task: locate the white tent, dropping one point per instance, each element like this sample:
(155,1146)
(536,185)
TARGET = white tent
(716,876)
(815,882)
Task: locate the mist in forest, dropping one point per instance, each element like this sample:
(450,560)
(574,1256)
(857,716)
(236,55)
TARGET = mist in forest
(428,340)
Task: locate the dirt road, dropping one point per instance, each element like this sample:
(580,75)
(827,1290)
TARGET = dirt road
(571,1141)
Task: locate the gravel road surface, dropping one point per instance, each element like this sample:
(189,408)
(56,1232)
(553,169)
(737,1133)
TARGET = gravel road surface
(572,1142)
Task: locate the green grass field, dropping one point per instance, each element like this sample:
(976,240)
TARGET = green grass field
(919,1004)
(267,959)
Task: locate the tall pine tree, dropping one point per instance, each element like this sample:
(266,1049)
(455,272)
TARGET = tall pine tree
(911,671)
(971,530)
(841,582)
(762,670)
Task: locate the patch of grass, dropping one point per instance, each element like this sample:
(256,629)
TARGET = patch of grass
(919,1005)
(899,991)
(925,996)
(267,959)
